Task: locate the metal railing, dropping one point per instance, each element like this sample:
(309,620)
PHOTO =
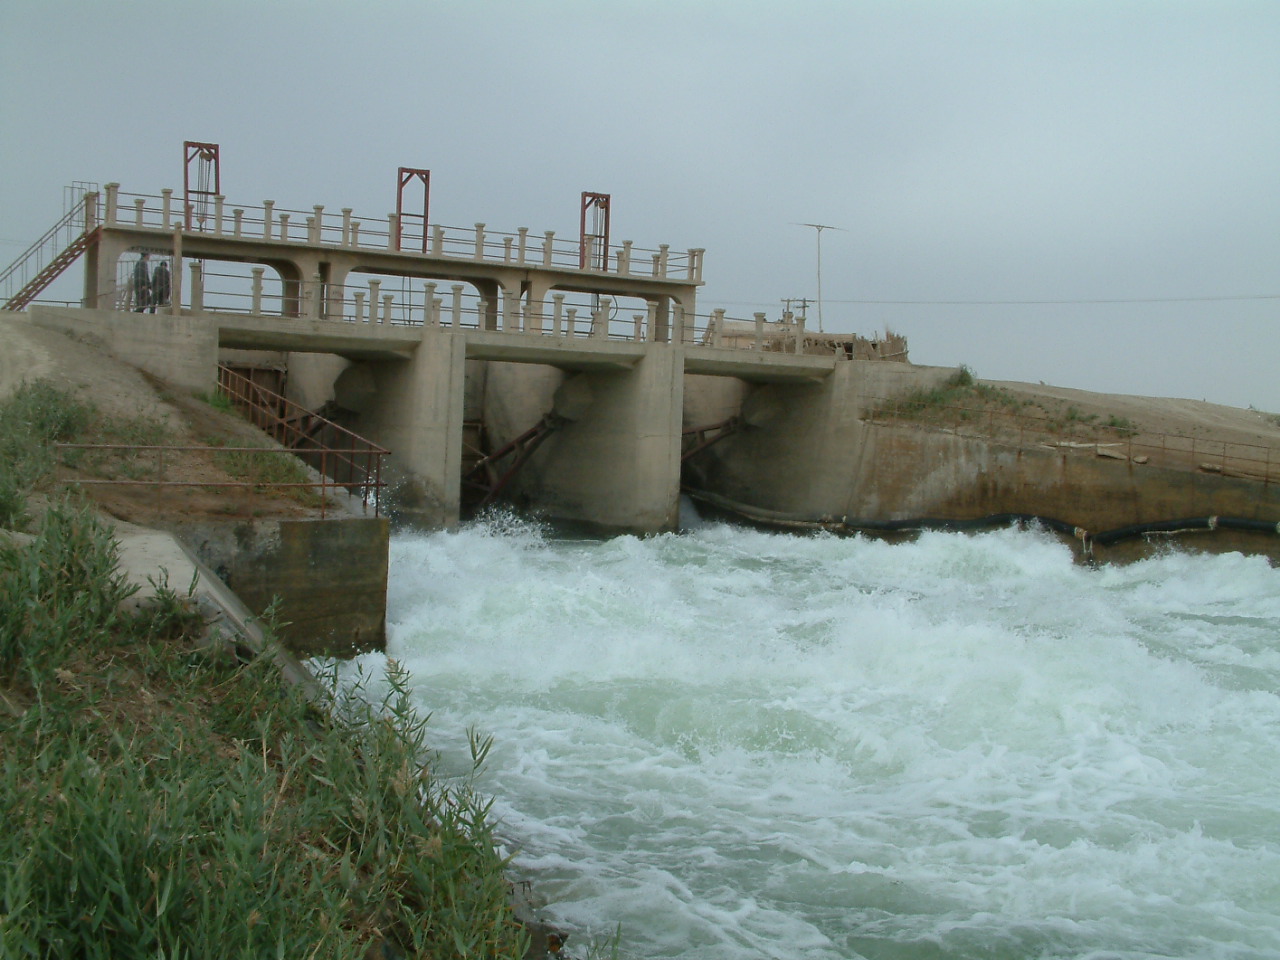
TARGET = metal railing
(79,220)
(344,463)
(267,222)
(345,458)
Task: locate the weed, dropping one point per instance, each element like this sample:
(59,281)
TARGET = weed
(218,400)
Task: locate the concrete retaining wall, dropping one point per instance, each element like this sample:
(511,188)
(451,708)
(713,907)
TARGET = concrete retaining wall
(330,576)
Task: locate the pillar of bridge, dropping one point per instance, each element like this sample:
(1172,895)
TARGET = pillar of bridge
(615,463)
(415,409)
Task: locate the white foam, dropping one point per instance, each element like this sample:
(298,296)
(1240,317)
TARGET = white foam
(743,744)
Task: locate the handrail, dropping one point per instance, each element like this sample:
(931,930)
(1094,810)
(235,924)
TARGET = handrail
(268,223)
(47,249)
(282,420)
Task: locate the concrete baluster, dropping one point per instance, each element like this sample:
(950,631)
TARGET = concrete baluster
(113,201)
(257,290)
(663,250)
(137,211)
(590,258)
(268,218)
(557,311)
(799,347)
(533,316)
(571,322)
(430,318)
(695,264)
(482,312)
(386,307)
(436,304)
(90,211)
(197,287)
(346,227)
(651,330)
(656,259)
(510,312)
(218,201)
(548,247)
(600,322)
(638,334)
(456,320)
(479,241)
(717,326)
(359,298)
(506,248)
(624,258)
(316,311)
(437,241)
(355,233)
(681,324)
(524,245)
(239,223)
(284,226)
(318,235)
(311,229)
(375,289)
(166,205)
(393,232)
(759,344)
(175,294)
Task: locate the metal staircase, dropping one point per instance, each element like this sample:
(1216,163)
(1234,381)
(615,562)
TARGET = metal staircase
(45,260)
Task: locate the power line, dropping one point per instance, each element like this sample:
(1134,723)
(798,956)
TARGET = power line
(980,303)
(1260,296)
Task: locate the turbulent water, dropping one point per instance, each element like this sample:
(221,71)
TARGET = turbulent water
(740,744)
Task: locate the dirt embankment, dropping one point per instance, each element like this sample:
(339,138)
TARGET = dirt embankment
(122,393)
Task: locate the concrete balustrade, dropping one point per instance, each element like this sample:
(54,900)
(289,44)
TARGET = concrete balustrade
(284,226)
(268,218)
(358,297)
(238,218)
(346,227)
(315,224)
(557,314)
(624,258)
(524,245)
(218,202)
(548,245)
(393,233)
(375,289)
(166,203)
(138,210)
(479,241)
(759,339)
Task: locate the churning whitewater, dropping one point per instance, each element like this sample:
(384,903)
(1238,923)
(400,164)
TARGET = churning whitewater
(741,744)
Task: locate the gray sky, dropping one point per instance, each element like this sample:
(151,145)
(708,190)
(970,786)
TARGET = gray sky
(1068,152)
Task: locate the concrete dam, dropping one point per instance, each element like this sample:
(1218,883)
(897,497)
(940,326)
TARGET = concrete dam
(578,379)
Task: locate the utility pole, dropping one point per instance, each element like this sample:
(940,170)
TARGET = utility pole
(819,227)
(803,301)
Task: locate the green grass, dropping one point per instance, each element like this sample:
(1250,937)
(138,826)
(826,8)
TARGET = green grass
(162,798)
(960,398)
(164,802)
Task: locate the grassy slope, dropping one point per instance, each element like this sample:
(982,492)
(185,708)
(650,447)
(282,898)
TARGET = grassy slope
(162,798)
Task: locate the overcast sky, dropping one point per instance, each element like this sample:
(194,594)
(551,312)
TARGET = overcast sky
(1111,167)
